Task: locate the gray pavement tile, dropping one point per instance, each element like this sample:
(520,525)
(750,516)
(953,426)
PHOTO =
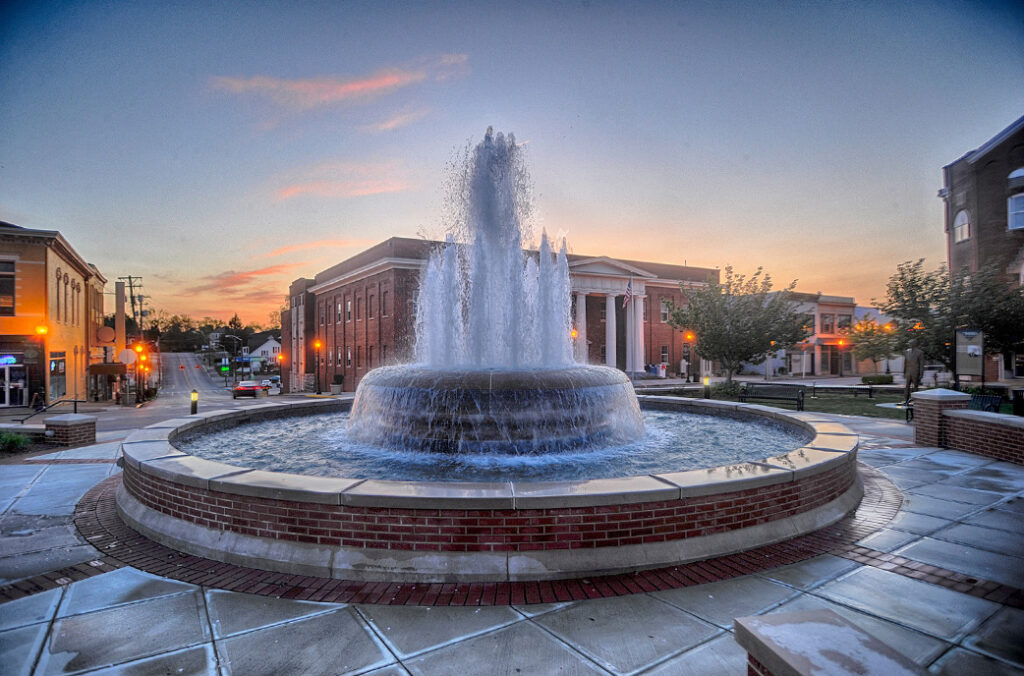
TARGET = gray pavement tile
(409,630)
(198,661)
(1002,636)
(926,465)
(913,645)
(60,488)
(118,587)
(922,524)
(20,647)
(989,539)
(999,477)
(721,602)
(520,649)
(928,608)
(390,670)
(232,613)
(105,451)
(30,609)
(125,634)
(882,457)
(907,478)
(20,566)
(999,519)
(627,633)
(534,609)
(720,655)
(887,540)
(812,572)
(960,662)
(953,458)
(13,480)
(958,494)
(29,539)
(1015,505)
(944,509)
(335,642)
(968,560)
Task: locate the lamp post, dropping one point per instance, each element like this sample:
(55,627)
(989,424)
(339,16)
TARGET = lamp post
(688,338)
(43,361)
(316,346)
(194,397)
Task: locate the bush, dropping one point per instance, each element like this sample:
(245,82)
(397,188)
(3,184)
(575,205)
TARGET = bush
(12,442)
(725,390)
(877,379)
(339,379)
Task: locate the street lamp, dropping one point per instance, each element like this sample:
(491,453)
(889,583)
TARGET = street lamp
(316,346)
(43,360)
(194,397)
(688,337)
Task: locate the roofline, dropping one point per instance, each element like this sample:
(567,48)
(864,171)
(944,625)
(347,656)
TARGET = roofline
(993,142)
(86,268)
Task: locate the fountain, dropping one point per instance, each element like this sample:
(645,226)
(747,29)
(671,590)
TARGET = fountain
(494,377)
(494,367)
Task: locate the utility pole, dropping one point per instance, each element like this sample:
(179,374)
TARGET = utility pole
(135,283)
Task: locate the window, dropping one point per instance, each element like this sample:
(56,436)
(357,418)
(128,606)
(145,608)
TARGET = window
(369,356)
(664,354)
(359,356)
(384,350)
(369,307)
(348,357)
(844,321)
(604,312)
(338,316)
(827,323)
(961,227)
(1015,211)
(604,354)
(359,309)
(809,322)
(383,306)
(321,306)
(348,310)
(7,288)
(664,313)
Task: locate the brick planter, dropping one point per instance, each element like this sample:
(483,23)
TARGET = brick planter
(941,419)
(434,531)
(71,429)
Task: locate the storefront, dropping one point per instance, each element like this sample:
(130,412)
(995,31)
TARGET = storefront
(20,375)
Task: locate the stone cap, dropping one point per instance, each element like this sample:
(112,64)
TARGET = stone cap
(940,394)
(67,419)
(987,417)
(818,642)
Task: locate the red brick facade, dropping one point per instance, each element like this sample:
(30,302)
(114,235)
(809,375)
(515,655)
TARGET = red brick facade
(988,434)
(483,530)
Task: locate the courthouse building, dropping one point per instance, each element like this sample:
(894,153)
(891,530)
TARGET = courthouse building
(51,307)
(360,314)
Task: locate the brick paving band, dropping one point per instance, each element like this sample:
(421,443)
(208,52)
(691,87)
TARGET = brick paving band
(97,520)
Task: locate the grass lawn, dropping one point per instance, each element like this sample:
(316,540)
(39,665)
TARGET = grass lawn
(830,402)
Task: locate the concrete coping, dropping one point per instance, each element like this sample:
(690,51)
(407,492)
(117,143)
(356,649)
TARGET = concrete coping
(817,642)
(151,451)
(68,419)
(987,417)
(940,394)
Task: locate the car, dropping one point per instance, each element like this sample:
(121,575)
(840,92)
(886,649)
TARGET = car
(267,384)
(246,388)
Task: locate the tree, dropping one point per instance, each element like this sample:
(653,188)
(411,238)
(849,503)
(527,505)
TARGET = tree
(931,306)
(871,340)
(740,319)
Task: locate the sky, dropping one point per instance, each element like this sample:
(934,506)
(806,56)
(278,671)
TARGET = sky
(220,150)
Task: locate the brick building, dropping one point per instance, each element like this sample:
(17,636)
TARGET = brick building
(983,195)
(51,308)
(361,313)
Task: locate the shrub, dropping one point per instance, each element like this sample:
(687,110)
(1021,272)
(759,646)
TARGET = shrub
(12,442)
(339,379)
(725,390)
(877,379)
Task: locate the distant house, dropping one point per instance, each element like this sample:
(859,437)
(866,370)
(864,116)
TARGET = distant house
(264,349)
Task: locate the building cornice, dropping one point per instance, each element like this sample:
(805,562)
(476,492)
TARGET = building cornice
(373,268)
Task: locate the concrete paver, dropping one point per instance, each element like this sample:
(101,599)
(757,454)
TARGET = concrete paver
(961,513)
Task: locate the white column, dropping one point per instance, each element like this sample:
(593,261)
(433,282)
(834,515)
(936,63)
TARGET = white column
(581,327)
(638,327)
(630,329)
(610,331)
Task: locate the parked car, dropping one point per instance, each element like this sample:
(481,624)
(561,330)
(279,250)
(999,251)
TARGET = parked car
(247,388)
(267,384)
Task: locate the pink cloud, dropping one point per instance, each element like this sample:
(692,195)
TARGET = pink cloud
(241,283)
(305,94)
(339,180)
(398,121)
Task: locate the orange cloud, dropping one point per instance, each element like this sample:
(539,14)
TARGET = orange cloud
(241,283)
(345,180)
(398,121)
(319,244)
(310,93)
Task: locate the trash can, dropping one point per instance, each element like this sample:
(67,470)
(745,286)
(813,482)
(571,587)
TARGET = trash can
(1018,402)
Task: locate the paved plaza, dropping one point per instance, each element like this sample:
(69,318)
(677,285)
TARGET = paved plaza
(939,583)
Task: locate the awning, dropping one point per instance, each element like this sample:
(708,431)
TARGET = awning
(115,369)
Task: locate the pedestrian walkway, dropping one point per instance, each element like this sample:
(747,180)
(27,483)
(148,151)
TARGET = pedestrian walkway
(931,564)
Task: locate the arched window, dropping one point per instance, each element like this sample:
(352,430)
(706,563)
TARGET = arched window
(961,227)
(1015,203)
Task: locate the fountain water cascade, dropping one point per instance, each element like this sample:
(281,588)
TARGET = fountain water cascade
(494,367)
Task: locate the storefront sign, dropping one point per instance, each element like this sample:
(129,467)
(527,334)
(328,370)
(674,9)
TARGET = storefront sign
(970,346)
(8,359)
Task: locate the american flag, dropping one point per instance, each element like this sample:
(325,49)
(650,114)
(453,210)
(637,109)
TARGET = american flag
(629,293)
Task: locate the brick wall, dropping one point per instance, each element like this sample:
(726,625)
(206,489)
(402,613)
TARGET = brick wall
(460,530)
(989,434)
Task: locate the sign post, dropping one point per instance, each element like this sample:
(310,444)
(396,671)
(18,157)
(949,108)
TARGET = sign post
(970,354)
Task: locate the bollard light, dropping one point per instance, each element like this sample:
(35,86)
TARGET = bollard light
(707,387)
(195,401)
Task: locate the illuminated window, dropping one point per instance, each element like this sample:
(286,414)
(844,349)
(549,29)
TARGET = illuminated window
(348,311)
(338,315)
(961,227)
(827,323)
(7,288)
(844,321)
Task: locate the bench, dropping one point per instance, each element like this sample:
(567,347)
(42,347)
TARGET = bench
(985,402)
(773,392)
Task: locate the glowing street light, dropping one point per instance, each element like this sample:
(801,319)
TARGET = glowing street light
(316,345)
(194,397)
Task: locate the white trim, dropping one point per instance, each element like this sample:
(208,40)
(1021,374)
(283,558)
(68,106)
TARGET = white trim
(375,267)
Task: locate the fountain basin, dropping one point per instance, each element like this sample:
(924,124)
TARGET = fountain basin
(496,531)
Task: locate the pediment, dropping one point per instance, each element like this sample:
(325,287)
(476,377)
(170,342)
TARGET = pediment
(602,265)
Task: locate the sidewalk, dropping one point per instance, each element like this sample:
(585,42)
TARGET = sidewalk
(940,583)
